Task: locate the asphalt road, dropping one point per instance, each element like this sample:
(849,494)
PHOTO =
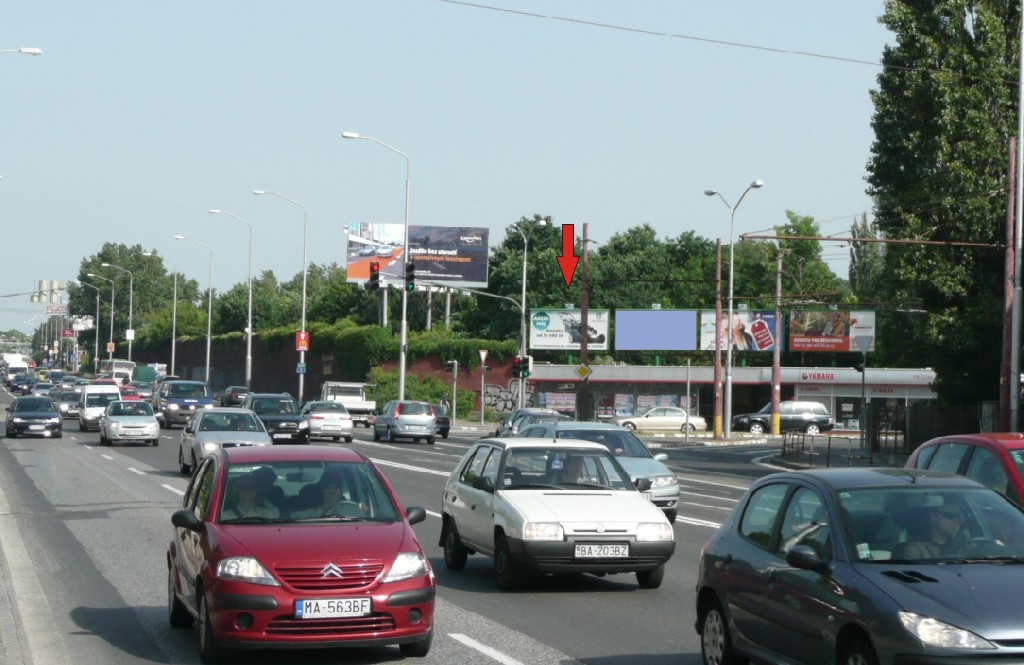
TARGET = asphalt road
(84,531)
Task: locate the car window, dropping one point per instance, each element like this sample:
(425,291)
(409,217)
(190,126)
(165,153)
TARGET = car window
(414,409)
(805,522)
(986,468)
(760,513)
(491,469)
(619,443)
(925,456)
(204,489)
(534,431)
(948,457)
(475,466)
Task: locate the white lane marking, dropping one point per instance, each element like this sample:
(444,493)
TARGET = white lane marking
(485,650)
(433,514)
(701,505)
(696,522)
(715,498)
(174,489)
(134,470)
(410,468)
(708,482)
(87,447)
(107,457)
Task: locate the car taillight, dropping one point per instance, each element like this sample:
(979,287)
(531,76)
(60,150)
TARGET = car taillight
(398,409)
(317,417)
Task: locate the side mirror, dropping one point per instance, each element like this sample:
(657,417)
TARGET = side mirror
(805,558)
(661,457)
(642,484)
(186,519)
(483,483)
(415,514)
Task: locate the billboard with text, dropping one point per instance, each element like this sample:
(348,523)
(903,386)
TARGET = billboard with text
(751,330)
(830,330)
(559,329)
(443,255)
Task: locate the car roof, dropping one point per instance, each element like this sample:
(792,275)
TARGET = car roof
(179,381)
(225,409)
(839,479)
(311,453)
(513,443)
(1007,440)
(560,425)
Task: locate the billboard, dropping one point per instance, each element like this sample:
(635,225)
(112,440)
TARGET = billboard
(443,255)
(655,330)
(559,329)
(829,330)
(751,330)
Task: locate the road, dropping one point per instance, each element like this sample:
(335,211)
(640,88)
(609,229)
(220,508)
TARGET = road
(84,531)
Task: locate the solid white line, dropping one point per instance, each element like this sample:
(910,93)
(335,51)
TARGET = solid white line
(485,650)
(701,505)
(107,457)
(708,482)
(433,514)
(174,489)
(87,447)
(715,498)
(410,468)
(697,522)
(134,470)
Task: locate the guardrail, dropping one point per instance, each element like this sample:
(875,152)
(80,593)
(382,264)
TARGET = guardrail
(839,450)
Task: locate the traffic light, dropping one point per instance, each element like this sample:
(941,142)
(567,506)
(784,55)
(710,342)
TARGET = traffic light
(517,367)
(859,367)
(374,282)
(451,366)
(527,367)
(410,276)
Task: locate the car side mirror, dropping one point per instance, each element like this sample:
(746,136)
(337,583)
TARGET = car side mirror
(642,484)
(483,483)
(661,457)
(805,558)
(186,519)
(415,514)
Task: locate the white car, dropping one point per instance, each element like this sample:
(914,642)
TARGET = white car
(330,420)
(129,421)
(552,507)
(670,418)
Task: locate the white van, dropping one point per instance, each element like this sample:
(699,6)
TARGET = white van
(92,403)
(13,369)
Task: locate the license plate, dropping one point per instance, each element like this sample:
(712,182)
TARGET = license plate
(332,608)
(330,428)
(282,436)
(37,427)
(602,551)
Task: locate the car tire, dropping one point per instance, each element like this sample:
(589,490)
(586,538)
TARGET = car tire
(689,427)
(508,570)
(154,442)
(444,434)
(630,426)
(455,553)
(184,468)
(418,649)
(857,652)
(715,640)
(651,579)
(12,434)
(756,428)
(813,429)
(336,439)
(177,613)
(81,427)
(391,435)
(376,434)
(348,439)
(430,440)
(671,515)
(104,441)
(59,434)
(209,650)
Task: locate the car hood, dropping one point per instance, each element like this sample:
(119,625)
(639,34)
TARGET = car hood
(280,417)
(233,437)
(190,400)
(644,467)
(132,420)
(583,506)
(36,415)
(276,544)
(982,597)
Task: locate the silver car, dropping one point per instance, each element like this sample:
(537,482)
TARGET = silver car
(329,420)
(129,421)
(630,451)
(670,418)
(218,427)
(405,419)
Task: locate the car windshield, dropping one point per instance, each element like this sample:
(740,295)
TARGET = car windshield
(921,524)
(563,468)
(767,408)
(36,404)
(307,491)
(229,422)
(189,390)
(130,409)
(272,405)
(336,407)
(101,399)
(620,443)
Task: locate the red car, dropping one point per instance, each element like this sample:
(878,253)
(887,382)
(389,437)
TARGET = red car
(129,394)
(995,460)
(297,546)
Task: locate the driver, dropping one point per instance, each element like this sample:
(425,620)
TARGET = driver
(946,533)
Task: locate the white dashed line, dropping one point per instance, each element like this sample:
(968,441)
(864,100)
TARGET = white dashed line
(107,457)
(134,470)
(486,650)
(411,468)
(697,522)
(174,489)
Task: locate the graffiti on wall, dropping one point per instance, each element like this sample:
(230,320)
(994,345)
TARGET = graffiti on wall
(505,399)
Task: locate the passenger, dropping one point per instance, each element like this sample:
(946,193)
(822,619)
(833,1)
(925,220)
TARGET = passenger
(248,503)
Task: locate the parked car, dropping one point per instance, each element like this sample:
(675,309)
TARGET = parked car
(233,395)
(855,566)
(810,417)
(535,506)
(328,420)
(663,418)
(995,460)
(442,420)
(129,420)
(405,420)
(33,416)
(174,401)
(66,402)
(351,574)
(630,451)
(280,415)
(209,430)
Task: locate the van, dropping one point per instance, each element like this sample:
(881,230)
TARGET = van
(13,369)
(92,404)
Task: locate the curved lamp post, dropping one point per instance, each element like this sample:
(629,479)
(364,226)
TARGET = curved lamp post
(757,184)
(248,321)
(209,301)
(96,327)
(405,260)
(28,50)
(110,353)
(130,333)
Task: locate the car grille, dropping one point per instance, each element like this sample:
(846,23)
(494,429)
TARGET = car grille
(288,426)
(291,626)
(310,577)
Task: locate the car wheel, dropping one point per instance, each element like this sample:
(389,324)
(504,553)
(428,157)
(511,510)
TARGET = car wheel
(444,434)
(391,435)
(630,426)
(12,434)
(756,428)
(455,553)
(857,652)
(81,427)
(154,442)
(177,613)
(348,439)
(715,641)
(813,429)
(689,427)
(508,570)
(104,441)
(184,468)
(59,434)
(671,515)
(209,650)
(430,440)
(376,434)
(335,438)
(418,649)
(651,579)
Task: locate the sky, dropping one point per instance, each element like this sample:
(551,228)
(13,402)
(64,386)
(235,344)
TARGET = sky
(139,117)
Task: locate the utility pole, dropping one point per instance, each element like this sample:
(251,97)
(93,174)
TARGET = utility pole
(583,408)
(777,351)
(718,340)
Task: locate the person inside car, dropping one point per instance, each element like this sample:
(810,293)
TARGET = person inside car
(248,503)
(945,533)
(335,500)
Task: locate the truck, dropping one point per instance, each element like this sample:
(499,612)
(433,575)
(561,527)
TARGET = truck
(353,396)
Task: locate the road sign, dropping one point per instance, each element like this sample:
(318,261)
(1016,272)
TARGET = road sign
(110,347)
(300,368)
(583,372)
(302,341)
(57,309)
(129,335)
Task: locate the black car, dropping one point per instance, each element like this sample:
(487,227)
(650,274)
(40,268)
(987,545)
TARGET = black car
(280,415)
(233,395)
(864,566)
(33,416)
(443,420)
(810,417)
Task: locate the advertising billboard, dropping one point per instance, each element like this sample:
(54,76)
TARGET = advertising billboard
(443,255)
(829,330)
(751,330)
(559,329)
(655,330)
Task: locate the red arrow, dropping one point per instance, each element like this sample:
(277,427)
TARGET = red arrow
(567,260)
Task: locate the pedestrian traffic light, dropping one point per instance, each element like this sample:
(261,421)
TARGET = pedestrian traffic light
(517,367)
(527,367)
(374,282)
(410,276)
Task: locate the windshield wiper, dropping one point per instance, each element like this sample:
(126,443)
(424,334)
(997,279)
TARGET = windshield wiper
(591,484)
(251,519)
(995,558)
(533,486)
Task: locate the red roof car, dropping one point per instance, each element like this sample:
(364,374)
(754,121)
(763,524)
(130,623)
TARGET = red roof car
(296,546)
(995,460)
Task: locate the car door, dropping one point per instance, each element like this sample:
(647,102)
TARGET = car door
(788,418)
(188,437)
(471,507)
(190,551)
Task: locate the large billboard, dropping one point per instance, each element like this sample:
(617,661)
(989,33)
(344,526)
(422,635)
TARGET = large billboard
(443,255)
(750,330)
(559,329)
(830,330)
(655,330)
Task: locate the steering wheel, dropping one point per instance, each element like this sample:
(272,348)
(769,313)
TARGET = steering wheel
(345,509)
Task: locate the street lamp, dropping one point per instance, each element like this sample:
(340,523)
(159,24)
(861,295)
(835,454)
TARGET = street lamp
(209,301)
(96,327)
(28,50)
(405,262)
(248,323)
(522,312)
(130,333)
(174,317)
(110,344)
(305,271)
(757,184)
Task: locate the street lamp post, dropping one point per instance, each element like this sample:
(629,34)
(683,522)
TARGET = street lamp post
(305,272)
(130,333)
(209,301)
(110,344)
(757,184)
(248,321)
(522,315)
(96,327)
(405,261)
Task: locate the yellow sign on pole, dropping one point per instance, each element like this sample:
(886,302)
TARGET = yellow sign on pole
(583,372)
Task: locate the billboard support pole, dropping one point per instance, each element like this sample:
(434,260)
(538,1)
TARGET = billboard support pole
(776,351)
(583,409)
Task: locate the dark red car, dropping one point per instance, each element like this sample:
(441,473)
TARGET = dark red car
(296,546)
(995,460)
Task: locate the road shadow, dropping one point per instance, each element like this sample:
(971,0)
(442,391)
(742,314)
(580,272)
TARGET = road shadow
(478,577)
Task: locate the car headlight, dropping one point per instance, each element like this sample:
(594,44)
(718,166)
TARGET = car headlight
(245,569)
(304,424)
(114,425)
(543,531)
(172,407)
(64,407)
(407,565)
(208,406)
(663,481)
(654,532)
(209,447)
(18,420)
(52,421)
(940,634)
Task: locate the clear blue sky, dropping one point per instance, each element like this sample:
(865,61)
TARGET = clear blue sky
(141,116)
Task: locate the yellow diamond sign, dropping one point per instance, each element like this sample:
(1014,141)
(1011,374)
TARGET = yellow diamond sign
(583,372)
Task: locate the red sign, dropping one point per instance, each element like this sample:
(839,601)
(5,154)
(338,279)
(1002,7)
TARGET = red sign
(67,333)
(302,340)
